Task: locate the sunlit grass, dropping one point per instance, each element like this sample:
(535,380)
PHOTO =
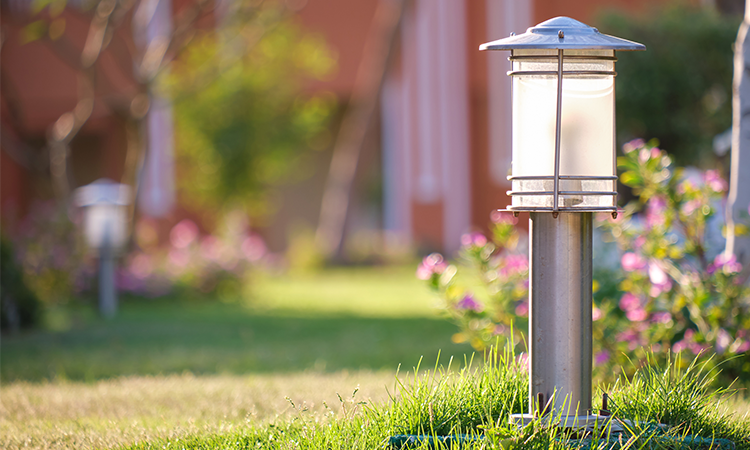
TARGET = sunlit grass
(134,409)
(383,291)
(353,319)
(474,403)
(278,369)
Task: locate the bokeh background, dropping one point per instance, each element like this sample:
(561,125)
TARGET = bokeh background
(284,164)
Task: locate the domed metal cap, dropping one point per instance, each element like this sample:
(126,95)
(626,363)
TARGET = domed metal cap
(563,33)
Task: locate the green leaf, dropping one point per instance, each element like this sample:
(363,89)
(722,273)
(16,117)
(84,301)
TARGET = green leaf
(33,31)
(631,179)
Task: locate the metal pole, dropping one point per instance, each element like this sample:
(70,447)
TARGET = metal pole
(107,289)
(558,129)
(560,311)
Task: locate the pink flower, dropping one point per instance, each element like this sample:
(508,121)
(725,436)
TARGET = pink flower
(523,361)
(655,209)
(688,342)
(726,264)
(656,274)
(632,145)
(522,309)
(644,155)
(473,240)
(715,181)
(468,303)
(679,346)
(254,248)
(661,317)
(659,279)
(210,248)
(500,217)
(141,266)
(637,315)
(431,264)
(601,358)
(183,234)
(498,330)
(629,302)
(179,258)
(596,314)
(723,340)
(743,347)
(513,264)
(690,206)
(632,261)
(632,337)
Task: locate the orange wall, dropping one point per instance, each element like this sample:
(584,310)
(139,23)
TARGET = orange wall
(585,10)
(344,24)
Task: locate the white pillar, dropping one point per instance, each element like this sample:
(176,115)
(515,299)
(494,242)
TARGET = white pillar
(156,195)
(453,121)
(503,17)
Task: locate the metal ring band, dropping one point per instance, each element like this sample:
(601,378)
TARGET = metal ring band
(522,193)
(554,57)
(562,208)
(566,72)
(562,177)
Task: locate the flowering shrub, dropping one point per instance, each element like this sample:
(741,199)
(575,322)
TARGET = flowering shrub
(494,302)
(51,254)
(675,291)
(193,262)
(57,267)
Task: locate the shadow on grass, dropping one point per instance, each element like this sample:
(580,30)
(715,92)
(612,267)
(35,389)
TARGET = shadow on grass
(152,339)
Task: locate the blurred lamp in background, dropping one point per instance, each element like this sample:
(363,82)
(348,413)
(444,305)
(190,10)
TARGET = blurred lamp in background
(563,170)
(105,204)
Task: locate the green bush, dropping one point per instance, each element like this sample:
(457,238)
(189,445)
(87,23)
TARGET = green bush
(675,291)
(680,88)
(19,307)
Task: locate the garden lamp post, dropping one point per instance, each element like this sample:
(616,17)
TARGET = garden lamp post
(105,225)
(563,170)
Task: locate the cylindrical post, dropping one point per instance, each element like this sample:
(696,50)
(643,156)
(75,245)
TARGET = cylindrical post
(560,299)
(107,288)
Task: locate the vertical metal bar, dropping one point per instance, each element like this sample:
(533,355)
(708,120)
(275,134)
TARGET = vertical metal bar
(614,143)
(107,287)
(560,310)
(558,129)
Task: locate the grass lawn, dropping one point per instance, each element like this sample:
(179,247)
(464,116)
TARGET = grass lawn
(353,319)
(279,369)
(171,368)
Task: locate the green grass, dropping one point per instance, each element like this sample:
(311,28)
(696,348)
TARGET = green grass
(353,319)
(475,402)
(278,369)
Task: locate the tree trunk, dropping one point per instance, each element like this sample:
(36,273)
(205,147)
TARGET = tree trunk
(329,236)
(739,186)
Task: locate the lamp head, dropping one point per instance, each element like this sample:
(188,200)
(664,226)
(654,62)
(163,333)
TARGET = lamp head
(563,116)
(563,33)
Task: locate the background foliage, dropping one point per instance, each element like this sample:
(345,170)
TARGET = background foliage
(673,291)
(242,116)
(680,88)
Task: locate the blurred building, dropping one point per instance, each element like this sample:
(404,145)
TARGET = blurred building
(436,152)
(444,107)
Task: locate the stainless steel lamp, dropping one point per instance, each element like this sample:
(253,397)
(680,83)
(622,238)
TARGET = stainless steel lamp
(104,203)
(563,170)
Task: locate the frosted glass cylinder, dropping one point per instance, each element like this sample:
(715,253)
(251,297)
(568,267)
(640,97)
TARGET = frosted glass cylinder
(106,225)
(587,127)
